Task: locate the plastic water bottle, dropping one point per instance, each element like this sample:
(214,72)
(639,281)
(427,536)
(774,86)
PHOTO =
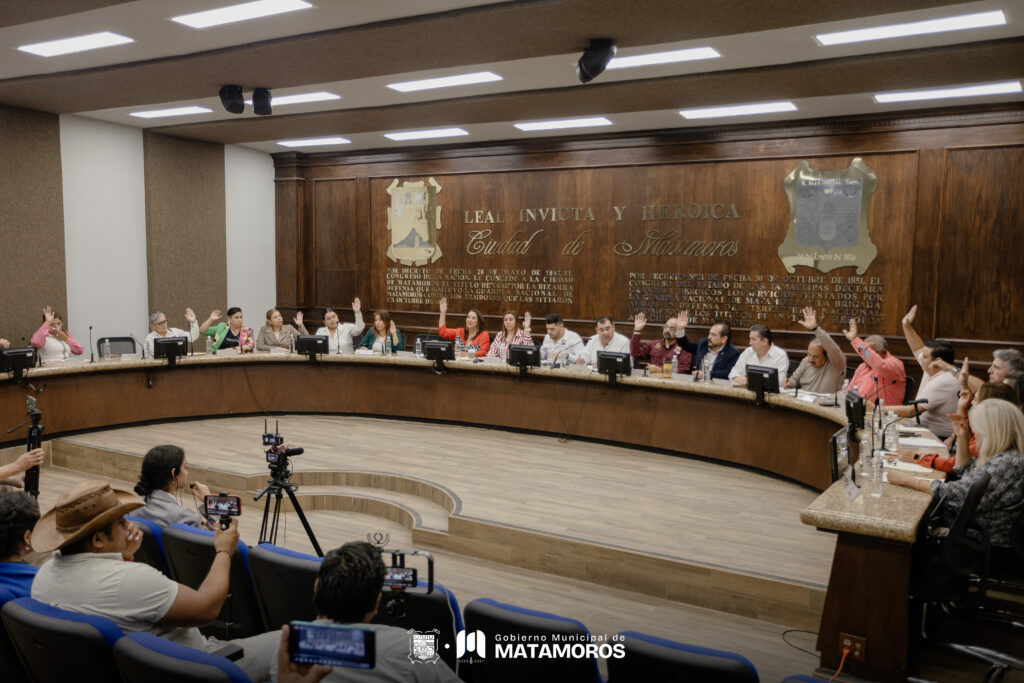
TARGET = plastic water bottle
(105,351)
(892,432)
(878,476)
(419,348)
(864,457)
(387,345)
(209,345)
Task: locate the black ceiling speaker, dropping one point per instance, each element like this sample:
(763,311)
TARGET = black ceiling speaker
(595,58)
(231,98)
(261,101)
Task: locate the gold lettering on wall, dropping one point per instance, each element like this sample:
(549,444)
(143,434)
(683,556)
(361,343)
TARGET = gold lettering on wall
(480,242)
(667,243)
(575,247)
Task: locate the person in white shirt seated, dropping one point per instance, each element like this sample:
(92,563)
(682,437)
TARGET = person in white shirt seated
(158,327)
(606,339)
(560,345)
(760,352)
(339,335)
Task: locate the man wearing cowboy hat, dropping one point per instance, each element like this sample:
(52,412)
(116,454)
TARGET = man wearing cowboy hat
(93,573)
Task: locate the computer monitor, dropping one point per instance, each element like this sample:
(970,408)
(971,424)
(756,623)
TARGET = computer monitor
(762,380)
(312,345)
(439,350)
(17,360)
(170,348)
(523,356)
(613,364)
(839,452)
(855,409)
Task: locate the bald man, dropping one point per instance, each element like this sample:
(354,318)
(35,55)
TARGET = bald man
(823,369)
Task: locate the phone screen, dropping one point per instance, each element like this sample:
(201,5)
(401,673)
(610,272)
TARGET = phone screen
(223,506)
(400,577)
(331,644)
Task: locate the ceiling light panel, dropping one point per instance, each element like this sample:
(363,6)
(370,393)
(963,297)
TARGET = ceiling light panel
(92,41)
(981,90)
(564,123)
(915,28)
(314,142)
(426,134)
(446,81)
(669,57)
(243,12)
(177,111)
(738,110)
(302,98)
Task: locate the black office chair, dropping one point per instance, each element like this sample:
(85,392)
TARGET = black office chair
(59,645)
(424,612)
(283,580)
(13,670)
(118,345)
(910,390)
(793,365)
(190,553)
(146,657)
(649,658)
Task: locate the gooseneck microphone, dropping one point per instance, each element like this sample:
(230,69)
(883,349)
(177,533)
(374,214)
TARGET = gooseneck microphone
(92,350)
(141,345)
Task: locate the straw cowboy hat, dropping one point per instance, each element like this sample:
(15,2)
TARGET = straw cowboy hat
(80,511)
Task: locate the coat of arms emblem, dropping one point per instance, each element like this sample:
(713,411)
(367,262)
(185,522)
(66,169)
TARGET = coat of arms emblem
(414,217)
(423,646)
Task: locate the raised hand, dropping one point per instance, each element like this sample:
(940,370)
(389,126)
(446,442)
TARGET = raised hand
(908,319)
(190,315)
(392,329)
(298,318)
(639,322)
(681,321)
(442,305)
(965,372)
(356,306)
(48,314)
(851,333)
(527,320)
(215,314)
(810,320)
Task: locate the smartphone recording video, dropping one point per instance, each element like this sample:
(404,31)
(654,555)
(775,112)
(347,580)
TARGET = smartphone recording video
(223,507)
(400,577)
(331,644)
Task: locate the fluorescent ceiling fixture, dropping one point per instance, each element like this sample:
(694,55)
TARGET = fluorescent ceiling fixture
(738,110)
(64,46)
(446,81)
(282,100)
(242,12)
(663,58)
(424,134)
(314,142)
(915,28)
(178,111)
(1006,88)
(564,123)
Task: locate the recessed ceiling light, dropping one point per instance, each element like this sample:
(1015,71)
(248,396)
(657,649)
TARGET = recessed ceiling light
(688,55)
(915,28)
(314,142)
(1006,88)
(445,81)
(93,41)
(178,111)
(282,100)
(424,134)
(737,110)
(242,12)
(564,123)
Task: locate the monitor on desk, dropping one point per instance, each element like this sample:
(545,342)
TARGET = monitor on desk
(839,452)
(614,363)
(312,345)
(17,360)
(855,409)
(523,356)
(762,380)
(170,348)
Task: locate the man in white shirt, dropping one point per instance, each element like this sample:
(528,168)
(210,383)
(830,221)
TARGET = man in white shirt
(560,345)
(339,337)
(939,386)
(93,574)
(760,352)
(606,339)
(158,329)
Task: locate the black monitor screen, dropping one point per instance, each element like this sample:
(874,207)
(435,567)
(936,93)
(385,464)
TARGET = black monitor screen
(839,452)
(762,379)
(168,347)
(524,355)
(311,344)
(439,349)
(17,359)
(855,409)
(615,362)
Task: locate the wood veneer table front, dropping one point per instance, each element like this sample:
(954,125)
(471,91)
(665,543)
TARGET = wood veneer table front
(787,437)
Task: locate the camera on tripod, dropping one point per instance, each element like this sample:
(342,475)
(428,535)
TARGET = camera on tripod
(277,454)
(280,484)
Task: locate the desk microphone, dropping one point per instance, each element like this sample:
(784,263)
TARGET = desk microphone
(141,345)
(917,411)
(796,392)
(92,350)
(874,393)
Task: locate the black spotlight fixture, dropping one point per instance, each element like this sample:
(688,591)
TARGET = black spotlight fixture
(231,98)
(261,101)
(595,58)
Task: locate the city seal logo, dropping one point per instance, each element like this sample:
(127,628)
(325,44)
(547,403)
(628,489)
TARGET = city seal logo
(423,646)
(414,217)
(828,218)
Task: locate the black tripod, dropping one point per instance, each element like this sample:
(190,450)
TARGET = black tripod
(33,441)
(278,485)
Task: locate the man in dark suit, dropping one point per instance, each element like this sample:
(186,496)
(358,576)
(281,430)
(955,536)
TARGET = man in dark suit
(713,355)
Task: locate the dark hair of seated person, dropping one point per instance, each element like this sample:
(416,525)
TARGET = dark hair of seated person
(160,465)
(350,579)
(997,390)
(82,544)
(19,513)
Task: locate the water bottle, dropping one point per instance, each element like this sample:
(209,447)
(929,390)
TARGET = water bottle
(105,350)
(209,345)
(864,457)
(892,432)
(291,343)
(387,345)
(878,476)
(419,347)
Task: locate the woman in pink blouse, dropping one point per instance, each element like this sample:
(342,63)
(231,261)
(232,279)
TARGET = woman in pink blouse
(53,341)
(511,334)
(471,339)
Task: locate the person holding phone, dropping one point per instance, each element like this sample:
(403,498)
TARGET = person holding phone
(163,478)
(348,590)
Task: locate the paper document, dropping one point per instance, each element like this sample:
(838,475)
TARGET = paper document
(920,442)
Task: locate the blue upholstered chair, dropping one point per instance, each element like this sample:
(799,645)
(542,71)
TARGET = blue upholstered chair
(649,658)
(146,657)
(190,554)
(59,645)
(151,551)
(283,580)
(498,621)
(13,670)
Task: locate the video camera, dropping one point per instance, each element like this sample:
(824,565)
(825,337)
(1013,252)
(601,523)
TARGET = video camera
(278,453)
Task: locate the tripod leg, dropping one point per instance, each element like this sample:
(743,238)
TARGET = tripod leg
(277,517)
(266,515)
(305,523)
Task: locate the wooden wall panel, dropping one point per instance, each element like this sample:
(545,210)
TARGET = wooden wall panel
(336,235)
